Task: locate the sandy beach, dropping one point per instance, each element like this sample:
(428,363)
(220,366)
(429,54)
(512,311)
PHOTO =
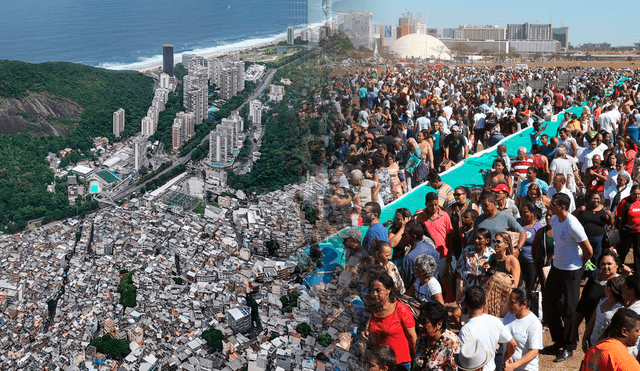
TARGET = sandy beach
(214,55)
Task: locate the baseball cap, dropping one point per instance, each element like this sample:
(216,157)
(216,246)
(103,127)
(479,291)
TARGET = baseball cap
(501,188)
(455,128)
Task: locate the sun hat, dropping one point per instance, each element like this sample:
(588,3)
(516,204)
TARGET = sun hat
(472,356)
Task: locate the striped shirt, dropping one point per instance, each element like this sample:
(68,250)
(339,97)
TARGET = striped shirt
(521,166)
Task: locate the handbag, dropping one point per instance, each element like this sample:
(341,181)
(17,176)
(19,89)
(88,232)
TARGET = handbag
(611,238)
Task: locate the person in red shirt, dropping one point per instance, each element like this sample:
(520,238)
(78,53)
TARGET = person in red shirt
(596,175)
(558,102)
(391,322)
(628,222)
(440,228)
(612,353)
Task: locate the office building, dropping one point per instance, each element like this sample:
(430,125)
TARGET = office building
(561,34)
(239,319)
(535,46)
(472,32)
(435,32)
(358,26)
(386,34)
(447,33)
(290,36)
(167,59)
(406,24)
(528,31)
(148,127)
(118,122)
(255,112)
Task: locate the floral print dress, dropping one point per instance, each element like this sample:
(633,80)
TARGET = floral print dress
(472,262)
(441,357)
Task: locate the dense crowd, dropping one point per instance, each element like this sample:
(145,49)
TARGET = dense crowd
(468,280)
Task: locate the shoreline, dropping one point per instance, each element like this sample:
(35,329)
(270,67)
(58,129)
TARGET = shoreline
(214,55)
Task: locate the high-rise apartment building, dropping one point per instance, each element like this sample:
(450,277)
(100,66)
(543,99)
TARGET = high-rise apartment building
(224,141)
(164,80)
(177,133)
(255,112)
(290,36)
(196,101)
(137,154)
(167,59)
(189,121)
(118,122)
(148,127)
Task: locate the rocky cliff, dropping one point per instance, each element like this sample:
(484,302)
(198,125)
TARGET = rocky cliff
(46,115)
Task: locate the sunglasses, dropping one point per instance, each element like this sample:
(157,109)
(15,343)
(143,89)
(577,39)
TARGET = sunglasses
(497,241)
(458,194)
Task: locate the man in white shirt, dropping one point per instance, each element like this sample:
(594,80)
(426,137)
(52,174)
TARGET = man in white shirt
(572,250)
(562,164)
(559,182)
(586,157)
(486,328)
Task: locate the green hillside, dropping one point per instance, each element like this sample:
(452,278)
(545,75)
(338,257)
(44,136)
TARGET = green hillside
(24,173)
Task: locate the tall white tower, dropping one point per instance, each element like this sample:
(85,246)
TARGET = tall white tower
(118,122)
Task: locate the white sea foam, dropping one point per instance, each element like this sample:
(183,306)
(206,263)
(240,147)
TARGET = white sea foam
(177,57)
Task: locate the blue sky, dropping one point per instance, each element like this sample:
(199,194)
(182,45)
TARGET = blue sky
(616,22)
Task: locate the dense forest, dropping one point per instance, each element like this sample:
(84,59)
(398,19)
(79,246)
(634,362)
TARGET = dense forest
(24,172)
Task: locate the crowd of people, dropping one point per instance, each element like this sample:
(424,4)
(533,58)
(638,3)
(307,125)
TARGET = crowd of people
(469,280)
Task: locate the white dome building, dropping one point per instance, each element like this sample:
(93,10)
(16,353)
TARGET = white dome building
(417,45)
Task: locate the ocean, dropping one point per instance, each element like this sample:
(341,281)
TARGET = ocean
(129,34)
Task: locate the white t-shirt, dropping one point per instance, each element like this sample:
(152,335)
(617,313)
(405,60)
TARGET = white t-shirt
(552,191)
(586,158)
(490,331)
(426,291)
(567,235)
(611,192)
(479,120)
(565,167)
(528,334)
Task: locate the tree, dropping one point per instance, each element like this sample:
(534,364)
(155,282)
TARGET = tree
(303,329)
(127,290)
(112,347)
(143,170)
(214,338)
(324,340)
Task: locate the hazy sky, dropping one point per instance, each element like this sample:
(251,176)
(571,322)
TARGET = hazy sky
(615,22)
